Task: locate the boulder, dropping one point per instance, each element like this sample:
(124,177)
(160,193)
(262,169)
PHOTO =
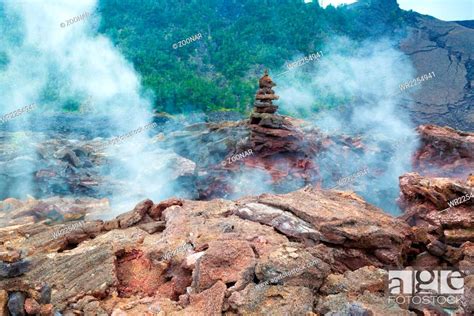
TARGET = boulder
(362,304)
(232,262)
(32,307)
(426,202)
(444,152)
(368,278)
(16,304)
(208,302)
(273,300)
(346,220)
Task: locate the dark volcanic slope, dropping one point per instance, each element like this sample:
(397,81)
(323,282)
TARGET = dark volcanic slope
(447,49)
(467,23)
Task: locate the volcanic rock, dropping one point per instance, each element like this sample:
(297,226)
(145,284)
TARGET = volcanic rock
(68,156)
(294,263)
(32,307)
(16,304)
(46,310)
(426,203)
(265,96)
(282,221)
(51,209)
(443,48)
(208,302)
(11,270)
(444,152)
(274,300)
(274,253)
(10,255)
(363,304)
(364,279)
(232,262)
(157,209)
(134,216)
(443,231)
(358,224)
(45,294)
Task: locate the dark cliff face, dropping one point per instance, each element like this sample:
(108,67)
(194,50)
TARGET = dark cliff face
(444,48)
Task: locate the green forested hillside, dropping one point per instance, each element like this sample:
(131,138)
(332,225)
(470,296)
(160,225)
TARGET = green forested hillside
(239,39)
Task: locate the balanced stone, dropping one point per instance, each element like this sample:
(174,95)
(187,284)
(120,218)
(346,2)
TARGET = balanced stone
(264,97)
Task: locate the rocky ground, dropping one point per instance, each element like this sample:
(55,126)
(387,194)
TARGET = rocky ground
(307,252)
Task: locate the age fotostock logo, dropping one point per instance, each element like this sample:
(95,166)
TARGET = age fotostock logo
(436,286)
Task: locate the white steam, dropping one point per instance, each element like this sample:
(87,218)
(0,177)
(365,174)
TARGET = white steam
(362,83)
(46,56)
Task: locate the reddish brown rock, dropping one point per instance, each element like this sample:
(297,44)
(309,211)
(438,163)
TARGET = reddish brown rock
(208,302)
(292,265)
(467,260)
(136,274)
(426,261)
(440,229)
(426,204)
(112,224)
(156,210)
(346,220)
(229,261)
(468,303)
(444,152)
(32,307)
(10,255)
(343,259)
(153,227)
(273,300)
(234,244)
(364,279)
(134,216)
(47,310)
(265,96)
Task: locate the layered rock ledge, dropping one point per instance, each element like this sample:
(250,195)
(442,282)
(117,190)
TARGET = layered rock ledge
(308,251)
